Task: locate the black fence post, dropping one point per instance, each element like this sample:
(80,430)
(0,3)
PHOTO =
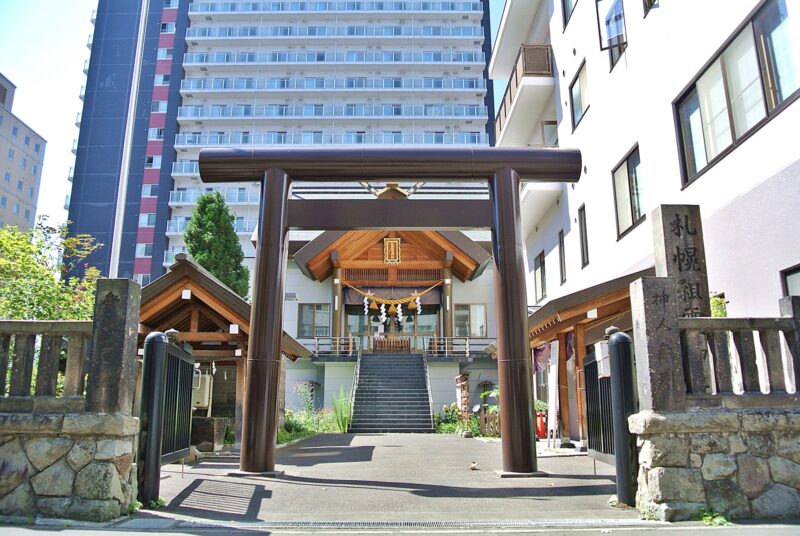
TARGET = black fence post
(619,350)
(153,390)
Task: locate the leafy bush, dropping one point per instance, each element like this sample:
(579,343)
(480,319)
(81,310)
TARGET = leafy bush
(341,409)
(494,393)
(305,392)
(540,406)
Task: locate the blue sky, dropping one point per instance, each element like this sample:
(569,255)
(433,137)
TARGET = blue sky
(43,48)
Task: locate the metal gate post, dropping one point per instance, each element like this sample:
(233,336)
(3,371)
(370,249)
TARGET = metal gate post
(619,350)
(148,461)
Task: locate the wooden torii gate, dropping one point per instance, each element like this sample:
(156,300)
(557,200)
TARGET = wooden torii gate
(503,169)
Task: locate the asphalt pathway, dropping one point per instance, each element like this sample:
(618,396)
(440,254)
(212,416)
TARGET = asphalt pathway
(391,478)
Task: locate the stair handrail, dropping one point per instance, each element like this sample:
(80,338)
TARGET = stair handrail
(356,375)
(428,385)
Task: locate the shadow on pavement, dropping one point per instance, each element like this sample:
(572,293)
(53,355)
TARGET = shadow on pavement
(218,499)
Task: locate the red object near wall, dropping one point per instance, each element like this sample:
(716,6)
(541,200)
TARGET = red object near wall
(541,425)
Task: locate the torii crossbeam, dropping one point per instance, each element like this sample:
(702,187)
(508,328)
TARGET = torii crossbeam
(502,168)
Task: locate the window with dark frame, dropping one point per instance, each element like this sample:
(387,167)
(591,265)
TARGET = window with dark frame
(539,277)
(314,320)
(469,320)
(550,133)
(744,86)
(562,257)
(627,193)
(791,281)
(579,95)
(648,5)
(567,7)
(584,236)
(615,32)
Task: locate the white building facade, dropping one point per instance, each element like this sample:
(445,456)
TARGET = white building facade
(670,102)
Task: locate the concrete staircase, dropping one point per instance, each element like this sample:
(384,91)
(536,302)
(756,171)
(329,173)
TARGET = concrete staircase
(392,395)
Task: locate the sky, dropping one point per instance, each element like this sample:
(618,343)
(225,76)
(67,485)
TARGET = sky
(42,51)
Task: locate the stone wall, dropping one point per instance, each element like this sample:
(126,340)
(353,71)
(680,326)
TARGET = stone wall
(740,463)
(74,466)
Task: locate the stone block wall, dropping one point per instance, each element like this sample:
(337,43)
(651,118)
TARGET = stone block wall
(740,463)
(73,466)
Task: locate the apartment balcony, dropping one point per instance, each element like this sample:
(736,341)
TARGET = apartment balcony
(242,227)
(78,119)
(530,89)
(66,202)
(75,147)
(93,18)
(352,111)
(245,10)
(281,60)
(71,174)
(169,255)
(191,140)
(233,196)
(89,41)
(191,167)
(86,67)
(82,93)
(246,86)
(326,34)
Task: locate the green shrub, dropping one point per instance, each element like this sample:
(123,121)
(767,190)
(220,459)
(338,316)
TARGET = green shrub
(540,406)
(341,409)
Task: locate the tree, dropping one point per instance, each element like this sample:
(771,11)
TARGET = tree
(212,241)
(31,264)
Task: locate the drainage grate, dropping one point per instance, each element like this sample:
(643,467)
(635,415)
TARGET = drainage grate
(355,525)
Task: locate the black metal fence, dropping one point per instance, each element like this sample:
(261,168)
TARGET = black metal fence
(166,411)
(600,427)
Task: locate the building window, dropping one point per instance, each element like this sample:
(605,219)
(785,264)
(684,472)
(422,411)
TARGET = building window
(24,163)
(7,177)
(150,190)
(469,320)
(155,134)
(3,201)
(147,220)
(562,257)
(27,140)
(33,170)
(144,250)
(648,5)
(164,54)
(14,131)
(791,281)
(36,147)
(615,32)
(314,320)
(627,193)
(567,7)
(539,277)
(142,279)
(30,191)
(167,27)
(158,107)
(161,80)
(11,154)
(27,214)
(152,162)
(746,84)
(550,133)
(579,95)
(16,210)
(584,236)
(19,185)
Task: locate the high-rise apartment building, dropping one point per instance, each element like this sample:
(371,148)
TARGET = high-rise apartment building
(167,78)
(21,159)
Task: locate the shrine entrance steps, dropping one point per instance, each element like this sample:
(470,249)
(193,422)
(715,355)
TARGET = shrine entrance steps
(392,395)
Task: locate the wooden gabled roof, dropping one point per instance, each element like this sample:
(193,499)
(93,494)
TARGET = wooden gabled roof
(419,250)
(204,314)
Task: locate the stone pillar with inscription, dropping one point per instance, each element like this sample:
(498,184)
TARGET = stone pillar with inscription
(680,289)
(111,386)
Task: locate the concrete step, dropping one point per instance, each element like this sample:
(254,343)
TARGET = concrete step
(385,430)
